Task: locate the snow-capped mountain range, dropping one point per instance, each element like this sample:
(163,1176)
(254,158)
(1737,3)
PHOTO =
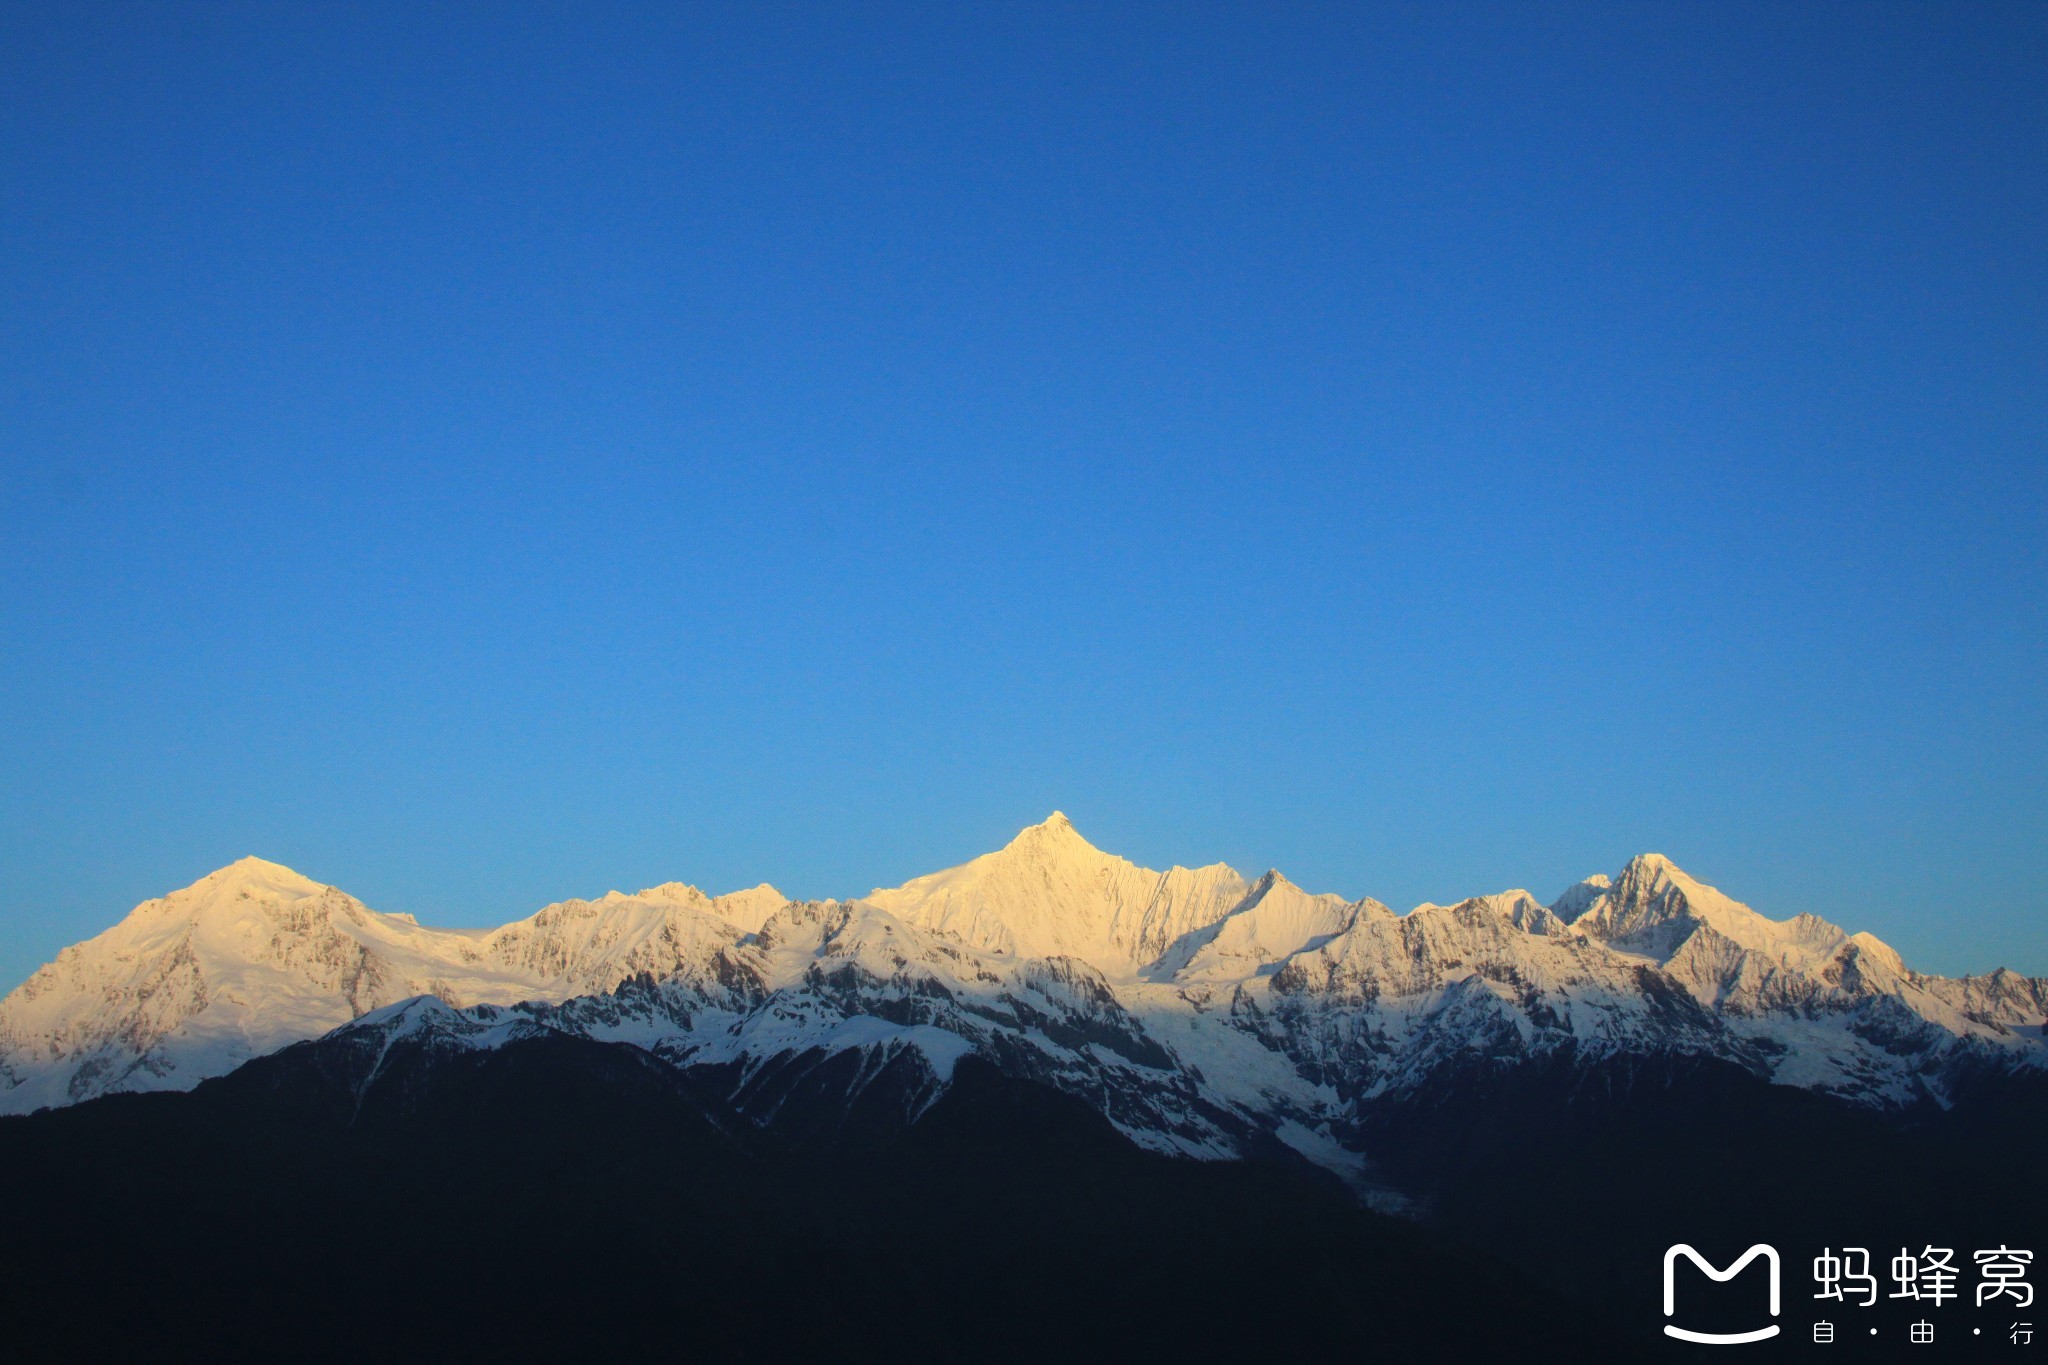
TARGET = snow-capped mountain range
(1203,1013)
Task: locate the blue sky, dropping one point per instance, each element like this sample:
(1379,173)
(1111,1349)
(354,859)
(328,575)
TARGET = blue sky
(484,455)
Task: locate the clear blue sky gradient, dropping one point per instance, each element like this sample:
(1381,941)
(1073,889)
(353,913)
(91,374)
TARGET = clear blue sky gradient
(479,455)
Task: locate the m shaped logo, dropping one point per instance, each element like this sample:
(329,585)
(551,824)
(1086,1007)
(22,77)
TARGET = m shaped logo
(1770,1255)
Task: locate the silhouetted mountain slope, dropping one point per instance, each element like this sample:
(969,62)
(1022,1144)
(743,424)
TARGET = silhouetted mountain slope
(560,1198)
(1591,1172)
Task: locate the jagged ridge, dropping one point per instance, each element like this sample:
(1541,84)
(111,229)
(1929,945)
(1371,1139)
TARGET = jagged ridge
(1203,1013)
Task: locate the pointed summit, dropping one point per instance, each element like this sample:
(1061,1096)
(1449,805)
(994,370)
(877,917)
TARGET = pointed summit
(1653,906)
(1055,830)
(1578,899)
(1051,893)
(750,909)
(1274,919)
(1628,895)
(1651,866)
(1652,877)
(250,864)
(251,870)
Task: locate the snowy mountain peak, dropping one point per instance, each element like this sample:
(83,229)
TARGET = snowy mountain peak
(1051,893)
(1576,900)
(1055,833)
(408,1012)
(1653,874)
(681,892)
(750,909)
(1275,920)
(1651,905)
(250,863)
(226,893)
(1654,908)
(255,875)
